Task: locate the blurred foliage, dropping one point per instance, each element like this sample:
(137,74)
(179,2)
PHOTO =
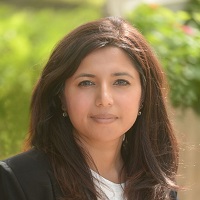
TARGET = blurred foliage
(177,46)
(26,40)
(193,9)
(55,4)
(27,36)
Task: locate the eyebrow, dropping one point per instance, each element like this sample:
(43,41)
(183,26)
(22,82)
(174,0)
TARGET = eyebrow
(114,74)
(122,74)
(85,75)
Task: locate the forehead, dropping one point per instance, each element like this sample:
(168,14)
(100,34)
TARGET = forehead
(110,57)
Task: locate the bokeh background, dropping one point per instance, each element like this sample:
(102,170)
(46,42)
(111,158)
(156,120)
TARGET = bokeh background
(30,29)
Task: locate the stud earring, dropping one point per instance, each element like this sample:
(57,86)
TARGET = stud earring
(64,114)
(139,112)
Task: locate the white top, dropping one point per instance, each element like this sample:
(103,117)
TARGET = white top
(113,191)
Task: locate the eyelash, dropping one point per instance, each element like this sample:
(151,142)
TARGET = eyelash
(85,83)
(121,82)
(88,83)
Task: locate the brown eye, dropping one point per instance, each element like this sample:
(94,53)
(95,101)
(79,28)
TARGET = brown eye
(86,83)
(121,82)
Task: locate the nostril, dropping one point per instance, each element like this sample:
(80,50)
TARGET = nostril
(104,99)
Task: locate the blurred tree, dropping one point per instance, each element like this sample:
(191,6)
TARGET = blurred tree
(27,37)
(53,4)
(178,47)
(193,8)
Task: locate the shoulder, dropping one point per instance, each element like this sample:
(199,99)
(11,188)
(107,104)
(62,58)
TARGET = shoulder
(29,175)
(9,181)
(32,161)
(31,164)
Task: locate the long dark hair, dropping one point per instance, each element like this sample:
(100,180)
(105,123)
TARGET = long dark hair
(150,151)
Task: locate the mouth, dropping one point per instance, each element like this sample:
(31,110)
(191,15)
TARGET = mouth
(104,118)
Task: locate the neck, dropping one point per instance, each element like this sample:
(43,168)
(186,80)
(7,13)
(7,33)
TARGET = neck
(106,158)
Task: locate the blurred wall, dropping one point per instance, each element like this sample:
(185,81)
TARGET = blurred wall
(187,127)
(120,7)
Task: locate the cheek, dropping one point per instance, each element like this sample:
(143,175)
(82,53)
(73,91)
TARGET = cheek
(77,109)
(131,108)
(77,105)
(131,111)
(131,100)
(131,104)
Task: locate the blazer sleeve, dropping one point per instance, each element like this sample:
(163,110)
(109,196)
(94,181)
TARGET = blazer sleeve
(10,188)
(28,176)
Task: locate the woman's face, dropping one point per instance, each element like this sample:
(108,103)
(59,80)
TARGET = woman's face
(102,98)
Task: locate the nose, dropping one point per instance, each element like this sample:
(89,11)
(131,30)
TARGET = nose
(104,96)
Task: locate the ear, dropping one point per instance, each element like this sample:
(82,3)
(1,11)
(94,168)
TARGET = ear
(141,106)
(63,102)
(141,101)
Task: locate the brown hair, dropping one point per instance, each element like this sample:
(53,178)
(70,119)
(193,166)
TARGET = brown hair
(150,152)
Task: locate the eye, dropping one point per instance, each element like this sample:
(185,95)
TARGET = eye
(86,83)
(121,82)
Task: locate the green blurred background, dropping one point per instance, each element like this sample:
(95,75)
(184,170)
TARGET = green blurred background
(30,29)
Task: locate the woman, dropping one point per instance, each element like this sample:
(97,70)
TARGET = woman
(99,127)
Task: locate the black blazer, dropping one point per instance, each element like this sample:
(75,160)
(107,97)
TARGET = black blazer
(28,176)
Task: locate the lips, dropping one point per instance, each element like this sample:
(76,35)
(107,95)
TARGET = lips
(104,118)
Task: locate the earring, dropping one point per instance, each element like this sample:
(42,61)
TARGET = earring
(139,112)
(124,137)
(124,140)
(64,114)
